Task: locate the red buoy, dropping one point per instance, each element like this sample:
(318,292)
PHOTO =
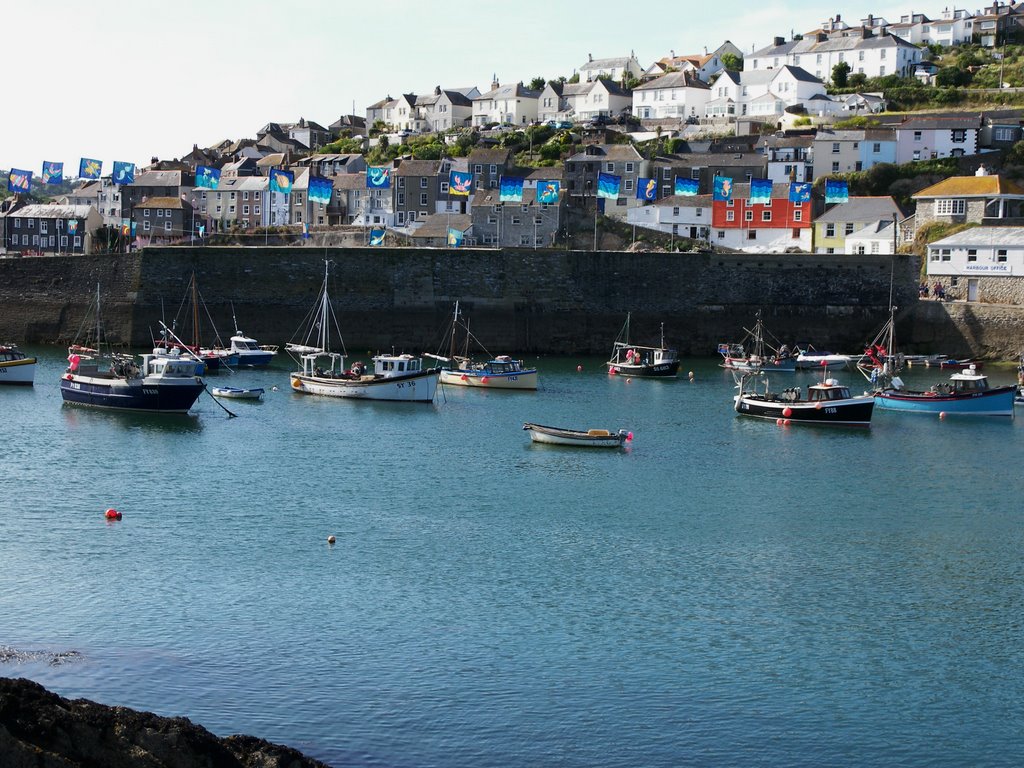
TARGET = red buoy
(484,379)
(464,377)
(112,514)
(787,411)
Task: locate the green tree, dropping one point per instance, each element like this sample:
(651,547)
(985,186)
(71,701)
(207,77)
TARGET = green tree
(537,84)
(840,74)
(952,77)
(858,80)
(574,79)
(732,62)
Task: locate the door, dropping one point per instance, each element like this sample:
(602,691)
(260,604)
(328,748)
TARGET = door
(972,289)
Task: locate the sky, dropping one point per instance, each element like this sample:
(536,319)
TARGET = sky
(131,80)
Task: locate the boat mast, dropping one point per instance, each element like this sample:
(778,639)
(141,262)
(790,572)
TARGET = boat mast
(455,323)
(195,313)
(324,307)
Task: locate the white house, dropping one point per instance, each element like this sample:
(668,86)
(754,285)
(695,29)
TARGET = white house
(705,66)
(923,138)
(684,216)
(582,101)
(675,95)
(763,92)
(986,256)
(876,237)
(952,26)
(871,53)
(513,104)
(445,109)
(612,68)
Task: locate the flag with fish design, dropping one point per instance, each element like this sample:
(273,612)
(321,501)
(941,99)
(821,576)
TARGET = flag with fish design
(320,191)
(72,226)
(124,173)
(799,192)
(89,168)
(207,177)
(378,177)
(454,237)
(548,192)
(646,189)
(836,191)
(760,191)
(686,187)
(53,173)
(723,189)
(608,185)
(377,237)
(19,181)
(459,183)
(510,190)
(281,181)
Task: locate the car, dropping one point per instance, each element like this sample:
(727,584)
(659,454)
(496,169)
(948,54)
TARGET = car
(559,125)
(597,121)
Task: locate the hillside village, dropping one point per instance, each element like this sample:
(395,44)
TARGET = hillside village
(914,116)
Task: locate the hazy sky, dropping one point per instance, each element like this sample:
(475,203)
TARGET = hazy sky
(129,80)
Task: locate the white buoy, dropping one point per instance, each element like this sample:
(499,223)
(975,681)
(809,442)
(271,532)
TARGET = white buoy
(330,539)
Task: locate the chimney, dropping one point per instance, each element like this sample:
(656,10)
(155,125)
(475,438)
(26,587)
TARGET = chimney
(437,90)
(778,41)
(838,18)
(590,57)
(495,85)
(705,50)
(672,53)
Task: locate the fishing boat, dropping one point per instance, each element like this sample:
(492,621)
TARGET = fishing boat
(113,381)
(15,366)
(248,352)
(754,353)
(399,377)
(809,358)
(238,393)
(496,372)
(967,392)
(631,359)
(210,358)
(590,438)
(826,403)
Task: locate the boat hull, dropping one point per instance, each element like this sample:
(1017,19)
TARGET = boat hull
(254,359)
(238,394)
(997,401)
(787,365)
(817,362)
(472,378)
(558,436)
(138,395)
(21,372)
(666,370)
(416,388)
(852,412)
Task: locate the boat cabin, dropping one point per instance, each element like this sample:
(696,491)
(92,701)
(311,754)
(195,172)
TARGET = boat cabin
(967,381)
(167,367)
(10,353)
(503,364)
(631,354)
(830,389)
(389,366)
(243,344)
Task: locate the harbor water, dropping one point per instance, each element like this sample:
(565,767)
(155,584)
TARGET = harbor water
(725,591)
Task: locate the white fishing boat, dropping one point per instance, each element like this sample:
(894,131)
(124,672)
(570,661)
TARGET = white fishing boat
(590,438)
(398,377)
(238,393)
(250,353)
(754,353)
(810,358)
(15,366)
(496,372)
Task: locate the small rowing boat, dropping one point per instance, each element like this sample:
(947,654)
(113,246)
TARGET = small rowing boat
(591,438)
(238,393)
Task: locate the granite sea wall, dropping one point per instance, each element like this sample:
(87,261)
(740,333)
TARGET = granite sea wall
(544,302)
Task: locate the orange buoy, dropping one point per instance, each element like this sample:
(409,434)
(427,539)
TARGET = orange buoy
(785,422)
(112,514)
(484,379)
(464,377)
(787,411)
(779,422)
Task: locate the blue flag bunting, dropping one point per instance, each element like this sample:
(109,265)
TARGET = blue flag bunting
(320,191)
(608,186)
(377,237)
(454,237)
(124,173)
(510,190)
(459,183)
(207,177)
(646,189)
(19,181)
(72,226)
(548,192)
(53,173)
(90,169)
(760,190)
(723,188)
(686,187)
(836,191)
(378,177)
(281,181)
(799,192)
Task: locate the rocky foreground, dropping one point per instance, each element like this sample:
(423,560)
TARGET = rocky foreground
(39,729)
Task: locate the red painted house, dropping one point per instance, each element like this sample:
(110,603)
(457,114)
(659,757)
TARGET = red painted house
(761,227)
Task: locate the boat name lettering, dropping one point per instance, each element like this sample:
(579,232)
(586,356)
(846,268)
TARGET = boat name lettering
(149,391)
(831,410)
(402,384)
(74,385)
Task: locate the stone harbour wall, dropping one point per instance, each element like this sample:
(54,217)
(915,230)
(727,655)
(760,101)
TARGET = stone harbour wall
(526,301)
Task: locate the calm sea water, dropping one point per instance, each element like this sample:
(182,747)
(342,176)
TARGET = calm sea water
(725,592)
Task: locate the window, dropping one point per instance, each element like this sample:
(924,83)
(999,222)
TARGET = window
(401,182)
(835,167)
(695,173)
(751,234)
(874,246)
(78,241)
(145,213)
(1002,134)
(950,207)
(972,255)
(944,254)
(830,230)
(423,198)
(167,226)
(675,211)
(848,228)
(145,226)
(730,215)
(444,187)
(917,135)
(63,240)
(629,185)
(798,214)
(1001,254)
(721,234)
(766,215)
(876,148)
(245,210)
(245,195)
(629,167)
(517,219)
(958,136)
(748,215)
(423,182)
(835,147)
(256,210)
(610,167)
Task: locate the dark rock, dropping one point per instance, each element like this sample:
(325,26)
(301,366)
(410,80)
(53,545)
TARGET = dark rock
(39,729)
